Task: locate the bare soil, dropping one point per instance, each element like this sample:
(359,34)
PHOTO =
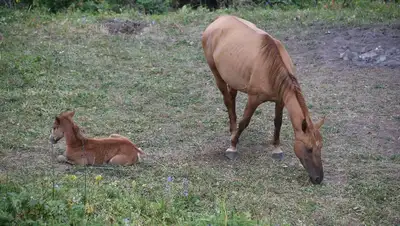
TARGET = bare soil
(119,26)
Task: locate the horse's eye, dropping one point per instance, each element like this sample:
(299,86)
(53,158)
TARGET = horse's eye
(309,150)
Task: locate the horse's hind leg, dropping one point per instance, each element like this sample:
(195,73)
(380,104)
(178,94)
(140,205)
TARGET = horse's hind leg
(252,103)
(277,152)
(229,95)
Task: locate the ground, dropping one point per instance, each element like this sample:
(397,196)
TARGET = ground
(148,80)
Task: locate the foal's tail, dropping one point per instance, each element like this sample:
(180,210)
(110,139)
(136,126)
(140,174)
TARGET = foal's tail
(140,151)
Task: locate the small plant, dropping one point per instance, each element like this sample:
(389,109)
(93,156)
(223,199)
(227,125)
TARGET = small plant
(153,6)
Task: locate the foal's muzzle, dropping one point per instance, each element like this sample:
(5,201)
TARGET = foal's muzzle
(54,140)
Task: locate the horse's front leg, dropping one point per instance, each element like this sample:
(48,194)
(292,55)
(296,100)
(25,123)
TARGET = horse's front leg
(232,109)
(252,103)
(277,152)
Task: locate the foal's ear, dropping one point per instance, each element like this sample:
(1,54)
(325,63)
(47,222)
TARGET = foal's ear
(320,123)
(304,125)
(57,120)
(71,113)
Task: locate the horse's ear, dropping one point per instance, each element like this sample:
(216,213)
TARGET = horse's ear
(320,123)
(304,125)
(57,120)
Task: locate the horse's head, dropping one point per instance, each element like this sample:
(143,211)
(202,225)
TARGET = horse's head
(308,147)
(59,126)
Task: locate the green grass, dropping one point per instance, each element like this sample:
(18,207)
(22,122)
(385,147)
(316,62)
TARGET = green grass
(156,88)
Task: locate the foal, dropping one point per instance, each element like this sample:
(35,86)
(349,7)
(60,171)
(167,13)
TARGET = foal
(116,149)
(245,58)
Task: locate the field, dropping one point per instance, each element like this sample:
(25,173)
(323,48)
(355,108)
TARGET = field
(146,78)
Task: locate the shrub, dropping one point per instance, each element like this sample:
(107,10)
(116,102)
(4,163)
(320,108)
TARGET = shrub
(153,6)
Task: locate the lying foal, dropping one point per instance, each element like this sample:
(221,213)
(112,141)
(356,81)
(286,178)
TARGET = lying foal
(116,149)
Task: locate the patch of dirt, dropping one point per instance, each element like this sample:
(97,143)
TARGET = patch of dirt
(119,26)
(28,161)
(375,45)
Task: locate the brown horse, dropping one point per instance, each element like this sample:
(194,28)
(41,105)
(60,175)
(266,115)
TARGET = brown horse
(245,58)
(116,149)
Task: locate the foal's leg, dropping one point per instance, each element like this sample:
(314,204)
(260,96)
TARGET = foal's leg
(115,135)
(252,103)
(78,158)
(277,152)
(122,160)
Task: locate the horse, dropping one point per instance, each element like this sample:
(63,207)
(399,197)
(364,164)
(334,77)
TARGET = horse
(115,150)
(244,58)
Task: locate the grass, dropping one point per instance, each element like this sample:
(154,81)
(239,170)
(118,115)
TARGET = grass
(156,88)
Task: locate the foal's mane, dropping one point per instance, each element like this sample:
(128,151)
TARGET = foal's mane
(76,130)
(278,65)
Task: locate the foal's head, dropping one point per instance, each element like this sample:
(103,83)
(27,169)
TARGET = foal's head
(308,149)
(60,125)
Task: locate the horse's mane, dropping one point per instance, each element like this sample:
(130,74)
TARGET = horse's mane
(278,63)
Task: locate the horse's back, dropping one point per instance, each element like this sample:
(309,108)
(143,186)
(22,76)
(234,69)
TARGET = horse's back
(229,31)
(230,47)
(246,57)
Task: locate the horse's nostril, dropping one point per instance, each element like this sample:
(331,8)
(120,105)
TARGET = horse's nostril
(317,180)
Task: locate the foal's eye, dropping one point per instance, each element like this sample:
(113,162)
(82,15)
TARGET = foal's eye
(309,150)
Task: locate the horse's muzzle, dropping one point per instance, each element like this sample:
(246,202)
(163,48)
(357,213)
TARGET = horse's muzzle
(317,179)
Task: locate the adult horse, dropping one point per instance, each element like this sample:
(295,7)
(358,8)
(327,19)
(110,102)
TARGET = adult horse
(245,58)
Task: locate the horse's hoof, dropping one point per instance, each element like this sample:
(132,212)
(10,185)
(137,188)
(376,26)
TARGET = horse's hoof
(231,154)
(61,159)
(277,156)
(277,153)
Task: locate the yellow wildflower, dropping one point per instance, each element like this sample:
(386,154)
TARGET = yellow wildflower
(89,209)
(70,177)
(98,178)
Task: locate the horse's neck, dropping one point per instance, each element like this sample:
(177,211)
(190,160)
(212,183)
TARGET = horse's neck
(72,138)
(295,111)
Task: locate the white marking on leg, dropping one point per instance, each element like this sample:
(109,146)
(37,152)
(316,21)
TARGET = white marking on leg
(277,150)
(231,149)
